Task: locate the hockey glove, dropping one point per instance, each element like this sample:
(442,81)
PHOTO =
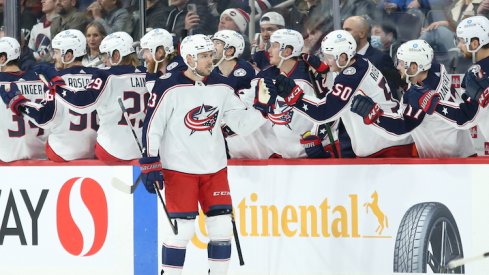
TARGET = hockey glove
(422,98)
(288,90)
(12,98)
(265,96)
(366,108)
(51,77)
(151,170)
(477,87)
(313,147)
(316,63)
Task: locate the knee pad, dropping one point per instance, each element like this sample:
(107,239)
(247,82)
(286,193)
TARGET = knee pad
(186,230)
(219,227)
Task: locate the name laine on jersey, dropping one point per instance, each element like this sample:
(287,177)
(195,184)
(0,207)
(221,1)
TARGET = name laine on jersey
(138,82)
(31,89)
(76,82)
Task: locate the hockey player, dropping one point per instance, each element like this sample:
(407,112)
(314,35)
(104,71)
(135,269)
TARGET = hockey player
(473,41)
(355,75)
(72,135)
(19,138)
(115,141)
(269,23)
(297,137)
(160,56)
(428,82)
(239,73)
(182,127)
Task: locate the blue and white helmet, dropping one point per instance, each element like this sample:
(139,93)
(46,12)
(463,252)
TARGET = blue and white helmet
(339,42)
(10,47)
(157,38)
(231,38)
(474,27)
(67,40)
(416,51)
(120,41)
(287,37)
(193,45)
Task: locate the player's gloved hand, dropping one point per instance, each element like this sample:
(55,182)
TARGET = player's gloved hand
(12,97)
(316,63)
(151,170)
(265,96)
(50,74)
(477,86)
(313,147)
(422,98)
(288,90)
(366,108)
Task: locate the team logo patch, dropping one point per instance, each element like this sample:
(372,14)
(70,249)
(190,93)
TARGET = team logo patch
(201,118)
(165,76)
(349,71)
(171,66)
(284,118)
(239,72)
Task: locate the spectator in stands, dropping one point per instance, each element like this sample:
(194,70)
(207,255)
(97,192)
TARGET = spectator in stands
(111,15)
(269,23)
(94,34)
(237,20)
(40,38)
(180,21)
(69,17)
(384,37)
(359,27)
(483,8)
(155,11)
(439,34)
(314,34)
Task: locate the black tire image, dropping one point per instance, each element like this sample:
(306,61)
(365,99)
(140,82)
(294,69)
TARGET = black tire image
(427,240)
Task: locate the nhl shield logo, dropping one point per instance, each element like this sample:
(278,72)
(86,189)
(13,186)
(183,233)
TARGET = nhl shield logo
(201,118)
(171,66)
(239,72)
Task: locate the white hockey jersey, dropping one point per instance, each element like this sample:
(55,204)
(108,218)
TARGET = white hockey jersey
(20,138)
(101,94)
(283,132)
(182,125)
(433,137)
(362,77)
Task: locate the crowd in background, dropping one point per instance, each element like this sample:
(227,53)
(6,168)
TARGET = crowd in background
(391,22)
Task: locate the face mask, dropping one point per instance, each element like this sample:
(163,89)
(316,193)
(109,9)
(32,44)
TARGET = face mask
(375,42)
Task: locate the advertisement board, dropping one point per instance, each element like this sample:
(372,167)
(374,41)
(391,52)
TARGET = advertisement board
(65,220)
(293,217)
(344,219)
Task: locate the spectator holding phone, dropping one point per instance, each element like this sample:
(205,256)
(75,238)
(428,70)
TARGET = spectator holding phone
(187,17)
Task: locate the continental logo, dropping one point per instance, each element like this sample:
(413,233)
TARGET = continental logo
(322,220)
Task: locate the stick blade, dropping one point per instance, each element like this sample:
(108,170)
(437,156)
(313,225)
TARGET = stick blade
(120,185)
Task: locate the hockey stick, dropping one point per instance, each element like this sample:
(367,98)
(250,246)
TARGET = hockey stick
(319,95)
(459,262)
(123,187)
(236,239)
(174,226)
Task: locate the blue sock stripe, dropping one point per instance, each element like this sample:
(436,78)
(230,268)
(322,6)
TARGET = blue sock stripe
(172,256)
(219,250)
